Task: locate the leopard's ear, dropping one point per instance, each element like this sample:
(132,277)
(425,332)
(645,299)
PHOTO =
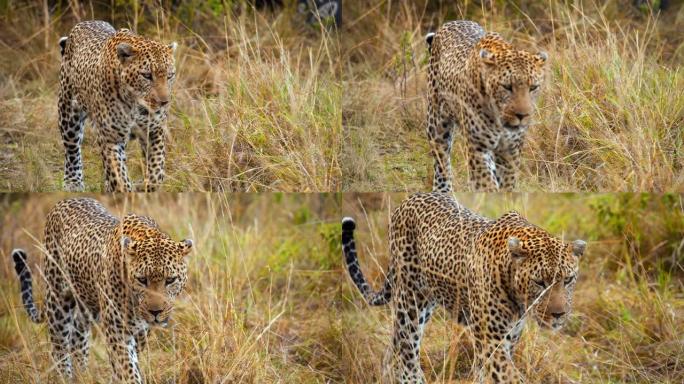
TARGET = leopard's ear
(578,247)
(173,47)
(127,245)
(541,57)
(487,57)
(125,52)
(515,247)
(186,247)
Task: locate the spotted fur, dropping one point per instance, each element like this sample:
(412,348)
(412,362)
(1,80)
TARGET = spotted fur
(122,82)
(489,274)
(482,84)
(125,273)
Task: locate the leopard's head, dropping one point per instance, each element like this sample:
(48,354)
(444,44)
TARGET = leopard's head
(511,79)
(146,69)
(539,271)
(543,274)
(157,268)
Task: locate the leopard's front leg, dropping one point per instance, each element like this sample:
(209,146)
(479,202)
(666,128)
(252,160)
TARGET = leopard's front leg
(495,364)
(482,168)
(113,151)
(141,335)
(122,347)
(496,331)
(482,140)
(507,159)
(152,141)
(494,343)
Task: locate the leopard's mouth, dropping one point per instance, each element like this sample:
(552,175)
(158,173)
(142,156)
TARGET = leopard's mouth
(158,323)
(513,127)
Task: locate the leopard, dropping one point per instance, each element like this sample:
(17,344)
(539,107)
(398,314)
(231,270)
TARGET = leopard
(121,273)
(490,275)
(122,83)
(483,85)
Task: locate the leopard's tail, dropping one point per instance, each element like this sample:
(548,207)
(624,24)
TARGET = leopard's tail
(428,39)
(381,297)
(26,283)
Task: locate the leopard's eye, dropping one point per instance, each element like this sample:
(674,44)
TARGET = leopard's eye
(534,87)
(142,280)
(171,75)
(508,87)
(569,280)
(540,283)
(146,75)
(171,280)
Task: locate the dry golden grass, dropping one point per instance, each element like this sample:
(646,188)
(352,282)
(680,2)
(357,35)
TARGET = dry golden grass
(256,105)
(610,117)
(259,106)
(255,277)
(269,300)
(628,319)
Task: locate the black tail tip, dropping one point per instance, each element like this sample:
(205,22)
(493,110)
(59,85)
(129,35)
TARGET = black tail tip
(62,45)
(19,257)
(429,37)
(348,224)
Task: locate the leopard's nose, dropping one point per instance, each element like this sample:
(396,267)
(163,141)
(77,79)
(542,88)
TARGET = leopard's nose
(155,313)
(521,115)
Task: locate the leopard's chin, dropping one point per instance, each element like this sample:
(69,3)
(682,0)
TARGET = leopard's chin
(554,325)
